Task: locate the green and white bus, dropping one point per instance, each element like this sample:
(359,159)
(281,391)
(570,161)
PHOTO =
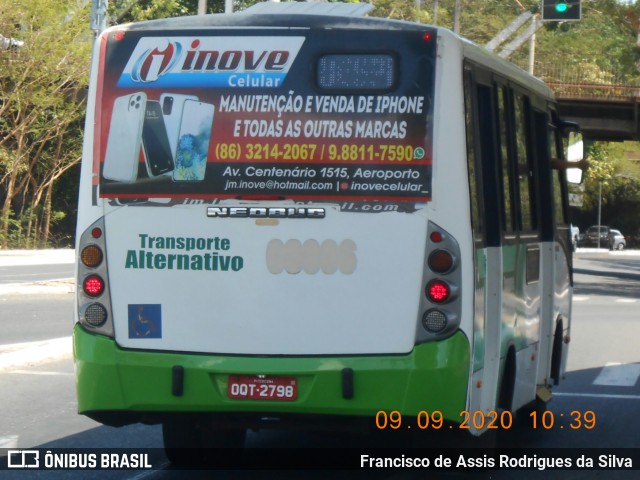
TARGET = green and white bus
(298,213)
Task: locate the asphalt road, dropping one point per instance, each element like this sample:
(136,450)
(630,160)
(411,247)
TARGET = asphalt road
(38,392)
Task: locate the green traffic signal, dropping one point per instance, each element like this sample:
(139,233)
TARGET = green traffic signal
(561,7)
(561,10)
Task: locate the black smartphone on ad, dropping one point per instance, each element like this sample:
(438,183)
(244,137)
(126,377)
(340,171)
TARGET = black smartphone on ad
(155,142)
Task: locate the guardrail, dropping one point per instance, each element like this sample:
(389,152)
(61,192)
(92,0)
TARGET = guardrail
(588,82)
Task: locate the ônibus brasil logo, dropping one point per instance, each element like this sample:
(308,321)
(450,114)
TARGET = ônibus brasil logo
(227,62)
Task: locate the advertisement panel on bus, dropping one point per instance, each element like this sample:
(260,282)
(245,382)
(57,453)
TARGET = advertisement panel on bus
(226,115)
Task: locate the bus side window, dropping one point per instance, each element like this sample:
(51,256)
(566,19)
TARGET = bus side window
(526,200)
(471,157)
(482,160)
(505,171)
(489,158)
(558,182)
(542,152)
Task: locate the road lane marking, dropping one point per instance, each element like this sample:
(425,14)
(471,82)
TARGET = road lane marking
(142,475)
(64,286)
(36,257)
(18,355)
(618,375)
(35,372)
(9,441)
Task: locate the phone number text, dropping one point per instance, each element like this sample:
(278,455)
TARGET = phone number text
(307,152)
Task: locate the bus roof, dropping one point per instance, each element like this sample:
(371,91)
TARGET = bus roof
(334,15)
(284,15)
(310,8)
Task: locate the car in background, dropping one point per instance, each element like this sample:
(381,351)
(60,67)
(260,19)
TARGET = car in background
(633,241)
(617,240)
(609,238)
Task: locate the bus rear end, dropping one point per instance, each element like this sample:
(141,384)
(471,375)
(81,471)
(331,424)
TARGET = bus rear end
(255,238)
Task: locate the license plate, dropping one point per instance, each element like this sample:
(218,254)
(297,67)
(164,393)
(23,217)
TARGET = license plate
(262,387)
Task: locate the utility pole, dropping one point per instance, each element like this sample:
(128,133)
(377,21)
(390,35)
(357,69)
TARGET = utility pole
(98,16)
(202,7)
(532,52)
(456,17)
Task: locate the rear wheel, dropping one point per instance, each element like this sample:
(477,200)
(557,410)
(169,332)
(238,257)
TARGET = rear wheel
(187,439)
(181,442)
(529,415)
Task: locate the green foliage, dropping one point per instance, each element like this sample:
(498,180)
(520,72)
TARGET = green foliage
(122,11)
(42,87)
(600,48)
(399,10)
(613,182)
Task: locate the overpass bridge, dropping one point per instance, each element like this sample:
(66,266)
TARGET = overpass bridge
(607,109)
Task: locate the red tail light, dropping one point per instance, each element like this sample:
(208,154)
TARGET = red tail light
(436,237)
(93,285)
(438,291)
(440,261)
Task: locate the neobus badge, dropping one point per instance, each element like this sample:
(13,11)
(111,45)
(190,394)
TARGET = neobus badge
(266,212)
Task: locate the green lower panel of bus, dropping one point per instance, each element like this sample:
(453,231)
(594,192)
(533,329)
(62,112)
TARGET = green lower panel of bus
(434,376)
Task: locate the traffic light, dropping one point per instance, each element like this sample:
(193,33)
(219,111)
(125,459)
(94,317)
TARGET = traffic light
(561,10)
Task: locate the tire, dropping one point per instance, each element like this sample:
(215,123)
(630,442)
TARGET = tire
(193,440)
(556,354)
(181,439)
(524,414)
(620,246)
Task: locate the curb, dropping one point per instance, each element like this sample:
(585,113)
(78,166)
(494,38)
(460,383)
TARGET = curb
(36,257)
(62,286)
(34,353)
(11,258)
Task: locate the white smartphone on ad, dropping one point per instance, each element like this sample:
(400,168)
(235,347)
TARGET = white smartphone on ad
(124,138)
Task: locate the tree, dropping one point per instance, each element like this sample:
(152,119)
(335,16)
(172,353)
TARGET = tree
(43,83)
(42,90)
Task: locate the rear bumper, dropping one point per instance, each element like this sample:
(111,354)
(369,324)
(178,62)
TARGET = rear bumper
(117,386)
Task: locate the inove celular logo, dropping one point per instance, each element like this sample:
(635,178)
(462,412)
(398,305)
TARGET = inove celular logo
(156,61)
(236,62)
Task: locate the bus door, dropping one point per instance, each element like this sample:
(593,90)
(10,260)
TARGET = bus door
(522,307)
(508,262)
(482,154)
(556,252)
